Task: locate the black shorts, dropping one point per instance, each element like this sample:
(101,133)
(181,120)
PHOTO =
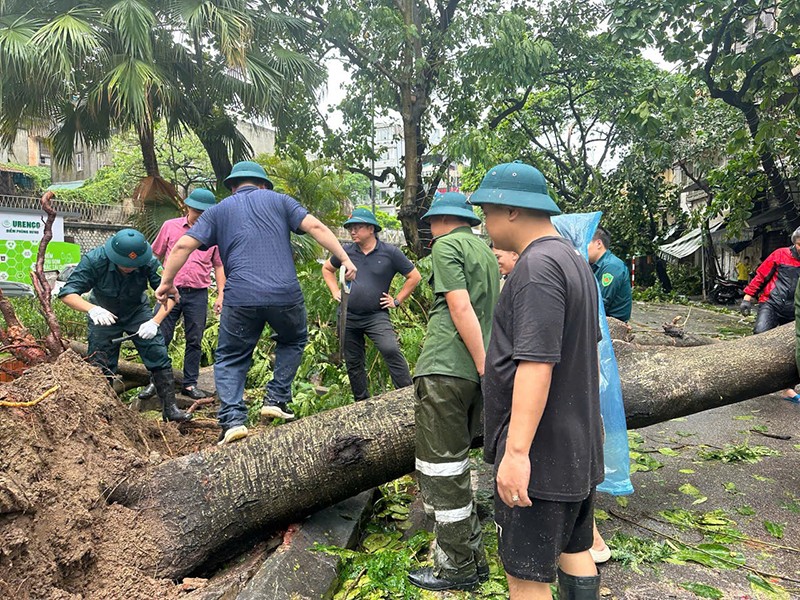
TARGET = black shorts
(530,539)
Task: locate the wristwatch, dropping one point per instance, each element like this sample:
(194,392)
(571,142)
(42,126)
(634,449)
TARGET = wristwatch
(396,302)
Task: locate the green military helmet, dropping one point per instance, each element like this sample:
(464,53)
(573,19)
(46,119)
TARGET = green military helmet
(515,184)
(453,204)
(128,248)
(247,169)
(201,199)
(363,215)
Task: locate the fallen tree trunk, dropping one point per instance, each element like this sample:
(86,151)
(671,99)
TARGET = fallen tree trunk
(198,504)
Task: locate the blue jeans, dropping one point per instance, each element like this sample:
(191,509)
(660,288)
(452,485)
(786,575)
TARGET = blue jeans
(240,328)
(194,308)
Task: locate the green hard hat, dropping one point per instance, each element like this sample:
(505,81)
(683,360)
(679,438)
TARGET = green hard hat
(515,184)
(453,204)
(247,169)
(128,248)
(201,199)
(363,215)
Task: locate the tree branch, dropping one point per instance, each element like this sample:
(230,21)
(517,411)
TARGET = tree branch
(515,105)
(382,177)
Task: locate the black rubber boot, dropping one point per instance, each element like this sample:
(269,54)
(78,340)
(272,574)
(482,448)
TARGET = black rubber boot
(148,392)
(573,587)
(165,386)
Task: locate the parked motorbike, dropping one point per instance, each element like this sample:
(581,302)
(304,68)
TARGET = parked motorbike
(727,291)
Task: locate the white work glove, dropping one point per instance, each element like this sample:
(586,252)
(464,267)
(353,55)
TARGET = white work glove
(148,330)
(100,316)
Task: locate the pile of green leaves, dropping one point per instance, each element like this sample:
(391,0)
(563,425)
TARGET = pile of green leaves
(379,567)
(743,452)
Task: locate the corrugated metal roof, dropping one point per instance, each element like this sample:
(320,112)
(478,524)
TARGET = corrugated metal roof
(686,245)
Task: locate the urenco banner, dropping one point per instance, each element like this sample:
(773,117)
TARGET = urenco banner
(20,234)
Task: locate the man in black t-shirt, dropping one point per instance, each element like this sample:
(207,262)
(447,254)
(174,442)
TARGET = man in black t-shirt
(543,429)
(370,302)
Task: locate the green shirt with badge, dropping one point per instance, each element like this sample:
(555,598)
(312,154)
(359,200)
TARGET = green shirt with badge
(461,261)
(615,286)
(111,289)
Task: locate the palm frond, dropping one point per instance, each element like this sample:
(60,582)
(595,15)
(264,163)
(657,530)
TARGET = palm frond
(78,122)
(128,87)
(132,21)
(68,38)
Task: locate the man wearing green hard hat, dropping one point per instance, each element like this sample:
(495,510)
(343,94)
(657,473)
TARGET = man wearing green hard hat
(251,229)
(192,281)
(543,429)
(447,386)
(117,275)
(369,302)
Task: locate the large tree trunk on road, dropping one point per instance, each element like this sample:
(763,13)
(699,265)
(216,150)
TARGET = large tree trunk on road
(202,502)
(659,384)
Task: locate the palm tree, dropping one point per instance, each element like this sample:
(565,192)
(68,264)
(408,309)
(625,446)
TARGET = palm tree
(86,70)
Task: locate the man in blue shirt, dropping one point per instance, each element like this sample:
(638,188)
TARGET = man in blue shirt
(369,303)
(612,275)
(251,229)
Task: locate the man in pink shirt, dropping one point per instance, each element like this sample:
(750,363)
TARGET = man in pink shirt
(192,281)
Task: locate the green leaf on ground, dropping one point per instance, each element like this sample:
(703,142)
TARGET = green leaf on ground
(744,418)
(796,446)
(686,471)
(715,556)
(774,529)
(792,505)
(600,515)
(700,500)
(622,501)
(765,589)
(702,591)
(761,428)
(378,541)
(643,462)
(689,490)
(730,487)
(678,420)
(668,452)
(762,478)
(746,510)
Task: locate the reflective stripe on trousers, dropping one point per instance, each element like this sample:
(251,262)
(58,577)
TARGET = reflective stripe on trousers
(447,415)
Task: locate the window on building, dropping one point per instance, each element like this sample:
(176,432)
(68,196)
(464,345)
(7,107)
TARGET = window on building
(79,162)
(44,153)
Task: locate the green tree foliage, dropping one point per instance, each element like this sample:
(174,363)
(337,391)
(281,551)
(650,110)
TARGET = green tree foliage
(397,53)
(95,67)
(567,114)
(745,55)
(39,176)
(313,183)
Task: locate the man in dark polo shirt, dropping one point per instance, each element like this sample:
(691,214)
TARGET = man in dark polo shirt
(543,429)
(251,230)
(370,302)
